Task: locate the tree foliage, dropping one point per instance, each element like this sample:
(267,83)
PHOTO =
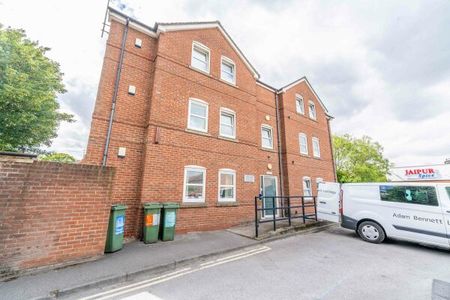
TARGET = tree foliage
(57,157)
(359,160)
(29,84)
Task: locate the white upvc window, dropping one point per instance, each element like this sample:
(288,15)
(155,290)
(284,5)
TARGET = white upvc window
(299,104)
(307,189)
(312,110)
(319,180)
(228,70)
(227,123)
(194,184)
(303,142)
(200,57)
(266,137)
(198,115)
(227,185)
(316,147)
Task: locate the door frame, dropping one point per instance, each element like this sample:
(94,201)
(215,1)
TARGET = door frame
(277,201)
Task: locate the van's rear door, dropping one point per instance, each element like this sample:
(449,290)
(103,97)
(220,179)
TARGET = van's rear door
(328,201)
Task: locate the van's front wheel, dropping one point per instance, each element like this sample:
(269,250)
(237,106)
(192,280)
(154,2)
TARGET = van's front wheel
(371,232)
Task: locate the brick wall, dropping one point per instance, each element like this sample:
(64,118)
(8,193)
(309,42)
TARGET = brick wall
(152,125)
(51,213)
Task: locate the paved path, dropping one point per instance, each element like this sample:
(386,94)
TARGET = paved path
(135,257)
(332,264)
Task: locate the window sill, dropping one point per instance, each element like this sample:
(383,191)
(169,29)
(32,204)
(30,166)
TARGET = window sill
(229,83)
(304,155)
(200,71)
(230,139)
(227,204)
(268,150)
(197,132)
(193,205)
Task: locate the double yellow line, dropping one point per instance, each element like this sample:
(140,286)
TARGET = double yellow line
(169,276)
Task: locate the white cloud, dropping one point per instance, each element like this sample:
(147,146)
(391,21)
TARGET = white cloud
(382,68)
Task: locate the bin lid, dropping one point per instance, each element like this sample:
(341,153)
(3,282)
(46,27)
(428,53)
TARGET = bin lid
(171,205)
(118,207)
(150,205)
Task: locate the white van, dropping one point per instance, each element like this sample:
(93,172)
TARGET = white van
(418,212)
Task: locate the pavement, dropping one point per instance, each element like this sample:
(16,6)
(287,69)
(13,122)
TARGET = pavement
(134,260)
(330,264)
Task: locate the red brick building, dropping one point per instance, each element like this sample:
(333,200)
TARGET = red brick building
(186,119)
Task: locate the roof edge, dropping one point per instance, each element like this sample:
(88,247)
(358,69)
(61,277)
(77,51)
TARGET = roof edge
(305,79)
(165,27)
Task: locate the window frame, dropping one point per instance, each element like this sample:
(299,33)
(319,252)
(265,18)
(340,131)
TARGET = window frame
(230,62)
(403,201)
(300,135)
(199,47)
(226,171)
(316,139)
(310,186)
(265,126)
(228,111)
(300,97)
(194,168)
(202,103)
(313,117)
(319,180)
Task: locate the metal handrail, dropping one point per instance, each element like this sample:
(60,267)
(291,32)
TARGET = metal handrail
(306,201)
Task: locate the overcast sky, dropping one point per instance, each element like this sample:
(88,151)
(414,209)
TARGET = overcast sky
(381,67)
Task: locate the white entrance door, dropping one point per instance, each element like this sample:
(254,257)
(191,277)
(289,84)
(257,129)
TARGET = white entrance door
(268,189)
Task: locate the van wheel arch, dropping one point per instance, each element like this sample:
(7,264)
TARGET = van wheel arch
(369,220)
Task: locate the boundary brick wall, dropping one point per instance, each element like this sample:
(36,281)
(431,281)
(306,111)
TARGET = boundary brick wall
(51,213)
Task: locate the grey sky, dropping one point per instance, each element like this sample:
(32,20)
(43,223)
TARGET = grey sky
(381,67)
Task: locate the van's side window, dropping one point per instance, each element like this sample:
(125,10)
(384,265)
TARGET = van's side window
(448,191)
(423,195)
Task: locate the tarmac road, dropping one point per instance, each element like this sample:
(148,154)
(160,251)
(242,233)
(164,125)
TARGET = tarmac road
(332,264)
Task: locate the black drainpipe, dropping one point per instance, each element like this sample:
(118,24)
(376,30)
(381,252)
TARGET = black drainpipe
(280,163)
(116,88)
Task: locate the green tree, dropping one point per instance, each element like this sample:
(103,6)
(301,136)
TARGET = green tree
(29,84)
(58,157)
(359,160)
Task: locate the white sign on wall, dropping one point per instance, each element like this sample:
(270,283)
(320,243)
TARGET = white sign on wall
(249,178)
(419,173)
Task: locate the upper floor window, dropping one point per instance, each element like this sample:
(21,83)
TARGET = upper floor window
(266,137)
(303,141)
(316,147)
(227,185)
(227,123)
(299,105)
(228,70)
(312,110)
(423,195)
(200,57)
(194,184)
(198,115)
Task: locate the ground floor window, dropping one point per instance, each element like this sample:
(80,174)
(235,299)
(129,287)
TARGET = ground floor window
(307,191)
(227,185)
(194,184)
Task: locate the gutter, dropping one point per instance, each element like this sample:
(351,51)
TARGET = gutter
(280,163)
(116,89)
(332,149)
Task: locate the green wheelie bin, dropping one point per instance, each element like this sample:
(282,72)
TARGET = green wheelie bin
(169,220)
(152,213)
(116,227)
